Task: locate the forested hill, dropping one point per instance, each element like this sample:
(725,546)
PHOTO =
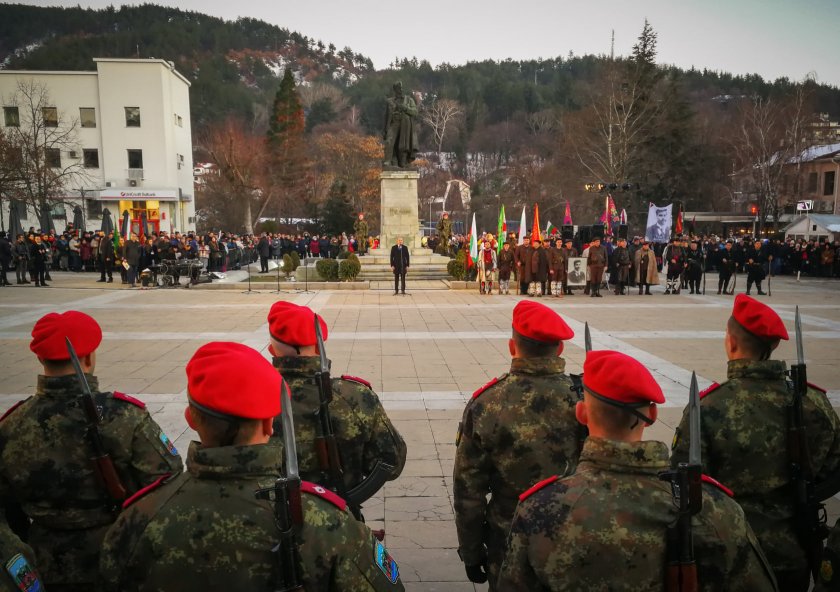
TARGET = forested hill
(233,65)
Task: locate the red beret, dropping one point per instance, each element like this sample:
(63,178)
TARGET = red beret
(618,377)
(540,323)
(294,325)
(49,332)
(758,318)
(232,379)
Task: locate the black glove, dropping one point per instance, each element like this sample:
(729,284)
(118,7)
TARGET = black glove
(477,573)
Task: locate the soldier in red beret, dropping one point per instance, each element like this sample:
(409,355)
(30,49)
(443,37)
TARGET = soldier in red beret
(46,451)
(517,429)
(207,530)
(362,429)
(604,527)
(745,425)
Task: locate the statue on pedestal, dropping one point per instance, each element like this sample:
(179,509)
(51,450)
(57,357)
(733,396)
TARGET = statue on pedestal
(399,134)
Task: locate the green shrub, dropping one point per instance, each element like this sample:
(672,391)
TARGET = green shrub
(288,265)
(343,255)
(327,269)
(457,267)
(349,269)
(295,260)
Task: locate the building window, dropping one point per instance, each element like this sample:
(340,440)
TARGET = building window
(50,115)
(87,116)
(11,116)
(91,158)
(828,183)
(135,159)
(52,158)
(813,178)
(132,117)
(94,208)
(58,211)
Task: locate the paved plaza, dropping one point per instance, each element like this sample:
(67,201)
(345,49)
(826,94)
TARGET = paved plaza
(424,353)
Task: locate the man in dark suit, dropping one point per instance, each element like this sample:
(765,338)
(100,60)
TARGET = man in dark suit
(399,264)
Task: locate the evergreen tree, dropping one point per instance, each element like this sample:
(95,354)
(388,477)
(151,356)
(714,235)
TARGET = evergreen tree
(287,159)
(338,212)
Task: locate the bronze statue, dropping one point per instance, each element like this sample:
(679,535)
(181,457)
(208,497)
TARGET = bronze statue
(399,134)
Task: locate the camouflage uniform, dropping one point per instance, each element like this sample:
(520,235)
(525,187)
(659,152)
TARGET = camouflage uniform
(604,527)
(829,580)
(744,425)
(45,467)
(17,563)
(518,430)
(205,530)
(362,428)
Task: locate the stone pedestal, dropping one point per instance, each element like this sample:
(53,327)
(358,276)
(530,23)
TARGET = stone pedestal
(399,216)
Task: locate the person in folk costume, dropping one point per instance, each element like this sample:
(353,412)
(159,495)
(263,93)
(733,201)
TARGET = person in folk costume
(487,265)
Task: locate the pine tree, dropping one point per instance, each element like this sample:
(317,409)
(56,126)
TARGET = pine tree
(338,212)
(287,158)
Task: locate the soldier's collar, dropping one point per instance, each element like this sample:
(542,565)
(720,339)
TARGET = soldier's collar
(229,462)
(63,384)
(761,369)
(648,456)
(297,364)
(538,366)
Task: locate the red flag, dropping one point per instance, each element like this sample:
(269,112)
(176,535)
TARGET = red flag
(567,217)
(678,227)
(535,231)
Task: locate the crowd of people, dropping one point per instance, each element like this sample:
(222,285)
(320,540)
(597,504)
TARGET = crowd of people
(542,267)
(35,254)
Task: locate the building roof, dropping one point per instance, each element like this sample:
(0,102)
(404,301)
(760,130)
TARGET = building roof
(814,152)
(828,221)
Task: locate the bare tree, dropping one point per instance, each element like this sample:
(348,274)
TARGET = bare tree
(442,116)
(39,159)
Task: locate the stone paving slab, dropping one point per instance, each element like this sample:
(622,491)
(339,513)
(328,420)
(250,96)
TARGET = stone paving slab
(425,354)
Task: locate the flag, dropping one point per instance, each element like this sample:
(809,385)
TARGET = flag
(550,229)
(472,256)
(678,226)
(623,218)
(535,231)
(605,217)
(567,217)
(614,217)
(502,230)
(521,240)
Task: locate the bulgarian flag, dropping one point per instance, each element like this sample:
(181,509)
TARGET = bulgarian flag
(567,217)
(521,240)
(472,256)
(502,231)
(535,231)
(550,229)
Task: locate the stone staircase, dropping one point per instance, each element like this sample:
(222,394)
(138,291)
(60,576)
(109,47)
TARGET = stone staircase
(425,265)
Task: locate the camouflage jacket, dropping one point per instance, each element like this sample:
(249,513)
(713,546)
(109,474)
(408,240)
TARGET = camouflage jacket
(17,564)
(744,446)
(362,428)
(45,468)
(829,579)
(518,430)
(604,528)
(205,530)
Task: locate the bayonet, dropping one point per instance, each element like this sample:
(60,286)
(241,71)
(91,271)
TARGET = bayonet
(695,466)
(800,352)
(587,338)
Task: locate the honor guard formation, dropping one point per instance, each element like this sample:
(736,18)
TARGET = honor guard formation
(554,486)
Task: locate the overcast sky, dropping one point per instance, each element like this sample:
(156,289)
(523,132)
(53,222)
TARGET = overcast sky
(772,38)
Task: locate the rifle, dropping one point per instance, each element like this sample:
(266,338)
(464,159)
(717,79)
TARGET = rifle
(687,491)
(288,507)
(326,446)
(103,466)
(808,508)
(734,280)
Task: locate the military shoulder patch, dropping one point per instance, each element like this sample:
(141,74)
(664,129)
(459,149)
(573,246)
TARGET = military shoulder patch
(827,568)
(170,447)
(719,485)
(23,575)
(817,388)
(12,408)
(140,493)
(385,562)
(361,381)
(478,393)
(129,399)
(534,489)
(323,493)
(708,391)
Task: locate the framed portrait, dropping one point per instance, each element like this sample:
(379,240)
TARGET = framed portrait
(576,272)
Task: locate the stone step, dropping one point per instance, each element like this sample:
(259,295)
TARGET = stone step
(415,259)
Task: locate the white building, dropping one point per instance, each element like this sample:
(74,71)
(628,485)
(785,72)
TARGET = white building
(132,119)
